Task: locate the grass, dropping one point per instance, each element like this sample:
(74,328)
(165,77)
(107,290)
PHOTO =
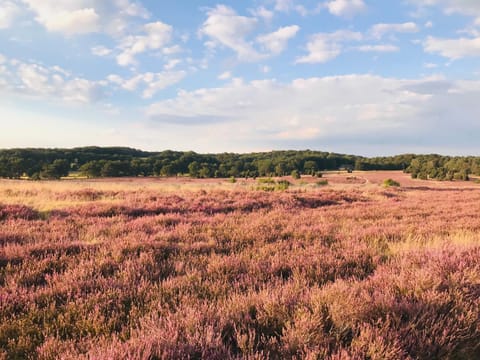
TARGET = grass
(211,269)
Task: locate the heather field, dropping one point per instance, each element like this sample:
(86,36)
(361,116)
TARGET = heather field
(335,268)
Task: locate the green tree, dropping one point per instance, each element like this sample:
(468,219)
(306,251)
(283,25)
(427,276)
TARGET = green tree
(55,170)
(194,169)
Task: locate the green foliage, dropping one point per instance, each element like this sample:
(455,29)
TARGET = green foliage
(118,161)
(390,183)
(282,185)
(233,180)
(269,184)
(295,174)
(322,183)
(266,181)
(55,170)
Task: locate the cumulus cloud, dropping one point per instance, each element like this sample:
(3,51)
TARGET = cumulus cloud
(345,8)
(263,13)
(155,36)
(324,47)
(149,83)
(101,51)
(225,27)
(8,13)
(85,16)
(453,48)
(53,83)
(328,110)
(380,30)
(464,7)
(225,75)
(290,5)
(276,42)
(377,48)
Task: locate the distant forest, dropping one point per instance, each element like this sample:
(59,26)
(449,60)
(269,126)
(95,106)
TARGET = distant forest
(95,162)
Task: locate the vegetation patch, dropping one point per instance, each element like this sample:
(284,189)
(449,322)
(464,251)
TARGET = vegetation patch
(390,183)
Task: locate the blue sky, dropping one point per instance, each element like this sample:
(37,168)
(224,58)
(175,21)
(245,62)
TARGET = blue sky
(369,77)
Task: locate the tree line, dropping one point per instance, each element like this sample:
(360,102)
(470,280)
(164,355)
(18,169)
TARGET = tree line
(96,162)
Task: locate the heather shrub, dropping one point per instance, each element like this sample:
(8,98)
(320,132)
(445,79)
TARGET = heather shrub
(362,273)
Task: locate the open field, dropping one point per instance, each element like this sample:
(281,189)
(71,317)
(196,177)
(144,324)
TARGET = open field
(178,268)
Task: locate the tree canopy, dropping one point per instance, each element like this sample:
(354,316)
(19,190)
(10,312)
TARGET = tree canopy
(121,161)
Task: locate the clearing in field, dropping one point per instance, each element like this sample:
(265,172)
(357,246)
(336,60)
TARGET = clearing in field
(340,267)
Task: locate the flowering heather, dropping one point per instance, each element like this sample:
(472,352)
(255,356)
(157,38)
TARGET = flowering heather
(149,270)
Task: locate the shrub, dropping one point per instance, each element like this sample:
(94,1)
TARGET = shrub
(266,181)
(322,183)
(295,174)
(282,185)
(233,180)
(390,183)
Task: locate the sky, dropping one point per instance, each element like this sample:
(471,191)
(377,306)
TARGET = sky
(366,77)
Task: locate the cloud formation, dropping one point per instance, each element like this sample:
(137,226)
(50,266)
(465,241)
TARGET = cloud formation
(50,83)
(345,8)
(226,28)
(76,17)
(277,41)
(453,48)
(323,47)
(8,13)
(154,36)
(380,30)
(325,108)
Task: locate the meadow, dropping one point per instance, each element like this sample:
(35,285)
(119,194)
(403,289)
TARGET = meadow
(335,268)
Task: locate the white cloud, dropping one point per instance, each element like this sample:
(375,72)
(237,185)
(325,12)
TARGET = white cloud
(379,30)
(324,47)
(8,13)
(101,51)
(85,16)
(329,111)
(465,7)
(156,35)
(225,76)
(150,83)
(52,83)
(345,8)
(453,48)
(290,5)
(276,42)
(430,66)
(223,26)
(378,48)
(262,12)
(172,63)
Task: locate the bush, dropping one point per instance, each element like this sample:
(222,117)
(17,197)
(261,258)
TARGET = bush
(322,183)
(282,185)
(390,183)
(266,181)
(272,185)
(233,180)
(295,174)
